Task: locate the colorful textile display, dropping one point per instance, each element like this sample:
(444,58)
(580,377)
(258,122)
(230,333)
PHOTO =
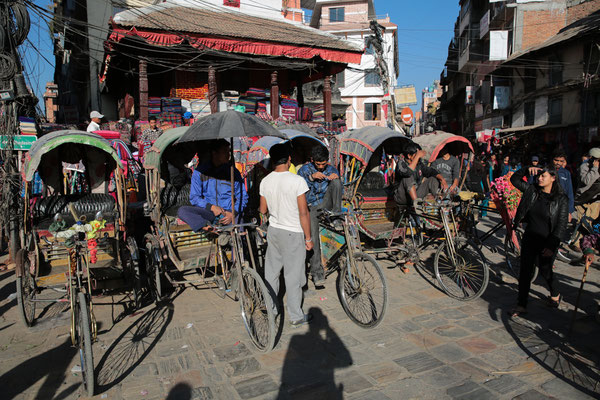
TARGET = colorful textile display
(171,105)
(27,126)
(154,106)
(171,118)
(255,92)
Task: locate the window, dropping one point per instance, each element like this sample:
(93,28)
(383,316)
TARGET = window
(554,110)
(372,78)
(555,71)
(529,113)
(372,112)
(369,49)
(529,83)
(340,79)
(336,14)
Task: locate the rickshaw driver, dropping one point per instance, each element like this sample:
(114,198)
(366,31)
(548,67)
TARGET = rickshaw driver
(210,192)
(449,167)
(325,193)
(411,171)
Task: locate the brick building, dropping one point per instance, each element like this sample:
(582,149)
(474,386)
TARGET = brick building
(476,93)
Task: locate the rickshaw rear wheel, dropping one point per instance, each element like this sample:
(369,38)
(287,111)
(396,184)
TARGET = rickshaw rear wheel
(363,292)
(134,271)
(153,270)
(465,278)
(512,255)
(26,290)
(257,308)
(85,344)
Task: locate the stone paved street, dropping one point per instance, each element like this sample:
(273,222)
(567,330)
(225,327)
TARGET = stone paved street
(428,347)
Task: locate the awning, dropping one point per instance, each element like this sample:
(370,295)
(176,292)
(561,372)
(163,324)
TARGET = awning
(521,128)
(247,46)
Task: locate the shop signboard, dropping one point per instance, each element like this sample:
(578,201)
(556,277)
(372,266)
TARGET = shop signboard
(498,45)
(470,95)
(21,142)
(484,24)
(501,97)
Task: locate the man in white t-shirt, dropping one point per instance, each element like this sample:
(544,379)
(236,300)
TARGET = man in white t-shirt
(282,194)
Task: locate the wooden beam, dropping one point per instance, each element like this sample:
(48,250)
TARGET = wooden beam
(143,72)
(274,95)
(212,90)
(327,98)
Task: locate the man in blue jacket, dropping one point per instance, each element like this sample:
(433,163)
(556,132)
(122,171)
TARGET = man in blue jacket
(325,193)
(210,192)
(560,162)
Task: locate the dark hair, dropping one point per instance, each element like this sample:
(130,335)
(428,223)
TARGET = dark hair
(411,148)
(152,118)
(218,144)
(556,188)
(280,153)
(320,154)
(560,154)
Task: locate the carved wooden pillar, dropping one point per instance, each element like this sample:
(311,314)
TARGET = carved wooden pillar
(143,91)
(212,90)
(299,84)
(327,98)
(274,96)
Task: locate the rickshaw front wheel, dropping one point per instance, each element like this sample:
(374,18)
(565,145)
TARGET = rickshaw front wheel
(463,275)
(153,271)
(85,345)
(26,290)
(362,290)
(258,312)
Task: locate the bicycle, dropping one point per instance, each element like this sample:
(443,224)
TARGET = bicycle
(362,287)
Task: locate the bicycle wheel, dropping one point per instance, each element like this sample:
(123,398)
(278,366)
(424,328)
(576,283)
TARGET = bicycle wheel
(153,270)
(257,309)
(85,344)
(363,291)
(465,276)
(26,290)
(512,255)
(134,270)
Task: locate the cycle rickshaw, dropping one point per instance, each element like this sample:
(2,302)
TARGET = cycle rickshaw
(362,286)
(223,259)
(367,161)
(75,241)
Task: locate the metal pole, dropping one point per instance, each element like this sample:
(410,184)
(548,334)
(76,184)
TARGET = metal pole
(232,181)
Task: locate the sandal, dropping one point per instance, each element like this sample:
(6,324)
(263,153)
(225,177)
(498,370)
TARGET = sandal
(554,303)
(517,312)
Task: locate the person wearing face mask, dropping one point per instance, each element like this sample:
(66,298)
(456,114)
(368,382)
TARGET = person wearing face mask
(325,193)
(544,210)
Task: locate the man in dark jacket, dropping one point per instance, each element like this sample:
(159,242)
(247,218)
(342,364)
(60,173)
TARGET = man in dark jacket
(416,179)
(560,162)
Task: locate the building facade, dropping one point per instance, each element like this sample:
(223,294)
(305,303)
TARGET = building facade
(366,86)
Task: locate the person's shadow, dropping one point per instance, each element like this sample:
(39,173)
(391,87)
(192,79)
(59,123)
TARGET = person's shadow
(310,362)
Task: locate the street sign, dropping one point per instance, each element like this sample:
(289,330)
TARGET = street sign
(21,142)
(407,115)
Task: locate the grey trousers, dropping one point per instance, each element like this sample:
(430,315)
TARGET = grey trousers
(428,186)
(331,202)
(286,250)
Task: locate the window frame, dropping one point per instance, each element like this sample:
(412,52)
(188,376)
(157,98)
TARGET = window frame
(340,79)
(337,16)
(373,72)
(555,118)
(529,120)
(375,111)
(555,75)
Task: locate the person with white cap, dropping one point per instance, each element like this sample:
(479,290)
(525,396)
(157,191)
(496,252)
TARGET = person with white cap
(96,117)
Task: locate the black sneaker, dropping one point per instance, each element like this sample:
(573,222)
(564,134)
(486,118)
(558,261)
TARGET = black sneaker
(304,321)
(319,281)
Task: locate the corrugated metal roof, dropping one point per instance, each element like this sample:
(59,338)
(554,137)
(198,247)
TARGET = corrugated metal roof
(176,18)
(585,26)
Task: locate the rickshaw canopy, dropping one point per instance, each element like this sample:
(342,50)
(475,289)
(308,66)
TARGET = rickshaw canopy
(261,147)
(362,143)
(70,146)
(434,142)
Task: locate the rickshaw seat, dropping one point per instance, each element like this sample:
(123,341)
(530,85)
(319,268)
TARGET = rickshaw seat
(373,186)
(87,205)
(172,198)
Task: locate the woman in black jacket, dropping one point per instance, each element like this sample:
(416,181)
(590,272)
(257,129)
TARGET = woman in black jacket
(544,208)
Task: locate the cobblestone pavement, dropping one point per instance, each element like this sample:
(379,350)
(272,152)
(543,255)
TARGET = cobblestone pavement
(428,347)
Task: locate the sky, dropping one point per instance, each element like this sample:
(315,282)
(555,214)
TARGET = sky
(425,29)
